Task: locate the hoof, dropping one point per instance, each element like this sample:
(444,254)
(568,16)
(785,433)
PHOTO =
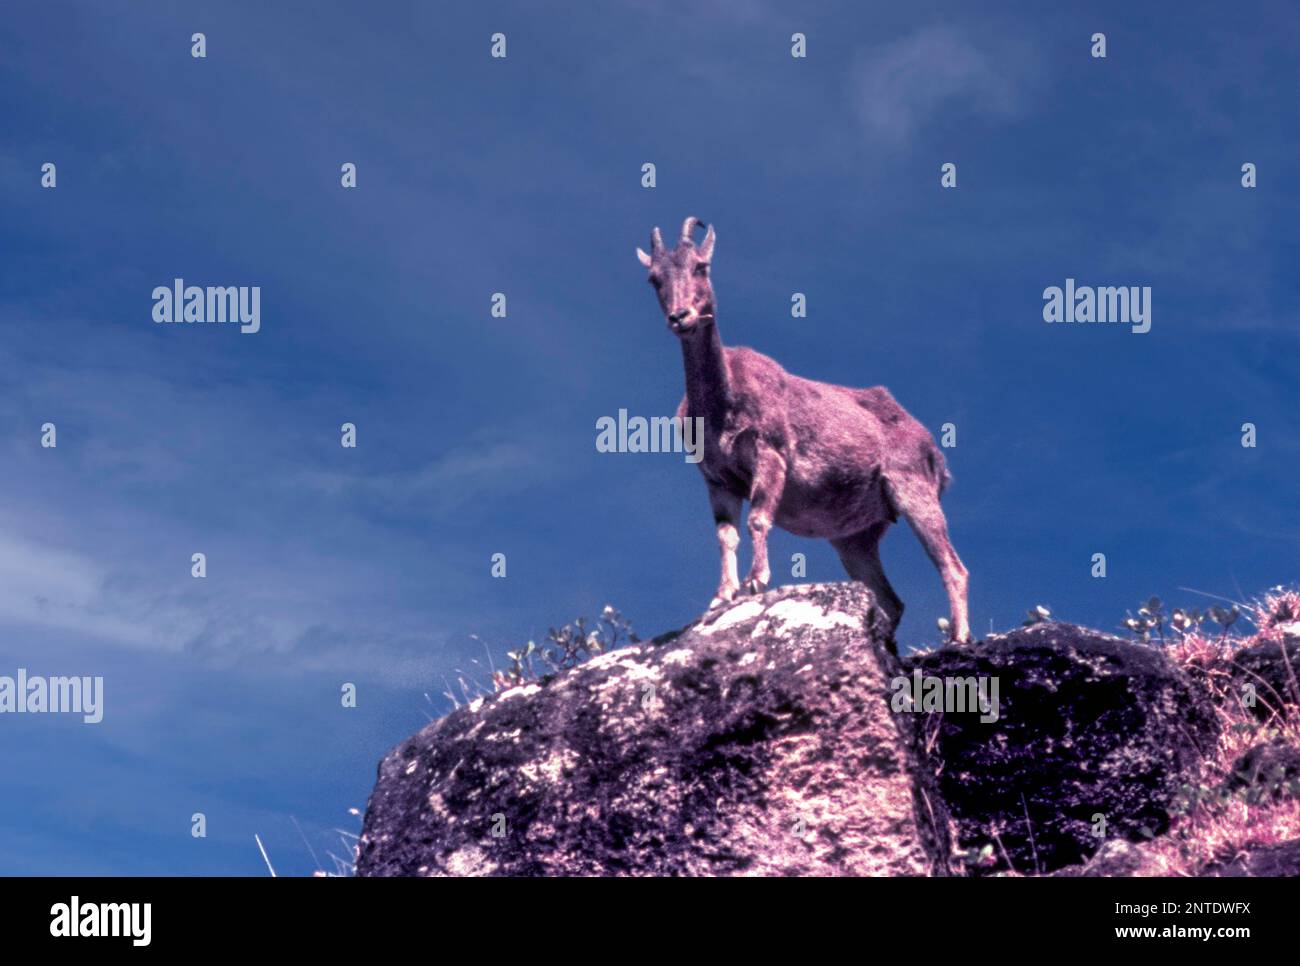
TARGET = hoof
(754,586)
(955,635)
(725,595)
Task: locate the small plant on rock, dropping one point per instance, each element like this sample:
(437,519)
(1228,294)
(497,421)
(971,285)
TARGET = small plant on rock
(1150,617)
(566,647)
(1038,614)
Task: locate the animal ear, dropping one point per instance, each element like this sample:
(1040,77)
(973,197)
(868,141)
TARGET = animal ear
(706,247)
(645,259)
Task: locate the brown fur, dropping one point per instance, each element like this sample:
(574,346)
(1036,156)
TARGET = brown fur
(815,459)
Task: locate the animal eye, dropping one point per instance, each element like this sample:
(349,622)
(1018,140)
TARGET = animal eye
(702,268)
(653,280)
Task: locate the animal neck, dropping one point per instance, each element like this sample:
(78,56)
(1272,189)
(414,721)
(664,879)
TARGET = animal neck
(708,388)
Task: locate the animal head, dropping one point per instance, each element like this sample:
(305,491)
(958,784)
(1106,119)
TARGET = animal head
(681,278)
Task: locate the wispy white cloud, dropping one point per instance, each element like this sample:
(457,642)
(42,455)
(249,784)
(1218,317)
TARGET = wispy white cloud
(48,592)
(96,535)
(443,485)
(731,11)
(901,86)
(55,588)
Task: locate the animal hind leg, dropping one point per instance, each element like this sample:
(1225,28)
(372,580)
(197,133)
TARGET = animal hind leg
(917,498)
(860,555)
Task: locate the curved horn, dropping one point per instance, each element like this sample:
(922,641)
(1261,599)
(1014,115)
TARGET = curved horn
(688,226)
(706,249)
(656,241)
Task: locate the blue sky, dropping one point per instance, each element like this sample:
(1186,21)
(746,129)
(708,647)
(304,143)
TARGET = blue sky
(476,435)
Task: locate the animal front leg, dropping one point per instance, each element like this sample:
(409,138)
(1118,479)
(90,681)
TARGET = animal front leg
(764,497)
(726,514)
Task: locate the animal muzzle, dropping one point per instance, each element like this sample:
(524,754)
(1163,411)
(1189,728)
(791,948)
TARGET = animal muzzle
(685,321)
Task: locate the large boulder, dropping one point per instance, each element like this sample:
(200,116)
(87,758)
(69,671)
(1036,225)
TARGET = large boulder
(1270,673)
(758,741)
(1094,737)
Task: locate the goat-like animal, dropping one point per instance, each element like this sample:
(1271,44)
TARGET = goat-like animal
(815,459)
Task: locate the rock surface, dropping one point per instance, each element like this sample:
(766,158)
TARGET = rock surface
(1117,858)
(1088,726)
(1120,859)
(1267,771)
(1273,671)
(757,741)
(1264,861)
